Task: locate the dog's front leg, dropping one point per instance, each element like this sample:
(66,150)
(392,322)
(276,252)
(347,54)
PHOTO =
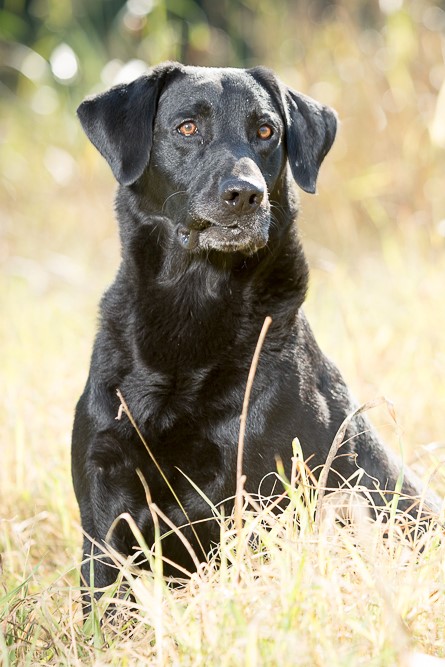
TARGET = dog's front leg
(114,511)
(111,522)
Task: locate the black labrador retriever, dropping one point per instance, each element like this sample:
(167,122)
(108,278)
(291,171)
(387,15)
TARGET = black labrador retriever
(206,160)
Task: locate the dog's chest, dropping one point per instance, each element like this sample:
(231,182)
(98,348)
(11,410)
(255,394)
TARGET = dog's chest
(190,341)
(184,326)
(160,400)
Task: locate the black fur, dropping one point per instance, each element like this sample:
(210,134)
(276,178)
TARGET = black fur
(209,249)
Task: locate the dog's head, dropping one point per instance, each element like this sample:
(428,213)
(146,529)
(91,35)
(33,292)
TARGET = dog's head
(211,146)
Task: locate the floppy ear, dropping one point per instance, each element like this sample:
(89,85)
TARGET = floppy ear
(310,133)
(310,128)
(119,123)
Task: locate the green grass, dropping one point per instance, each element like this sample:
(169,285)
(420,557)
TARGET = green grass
(375,240)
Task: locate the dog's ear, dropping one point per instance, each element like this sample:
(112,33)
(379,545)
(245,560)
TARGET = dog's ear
(119,122)
(310,128)
(310,133)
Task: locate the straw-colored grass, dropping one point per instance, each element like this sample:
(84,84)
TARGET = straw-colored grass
(280,590)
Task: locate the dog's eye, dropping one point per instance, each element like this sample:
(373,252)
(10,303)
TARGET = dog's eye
(188,128)
(265,132)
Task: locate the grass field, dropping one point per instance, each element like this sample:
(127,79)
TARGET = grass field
(375,237)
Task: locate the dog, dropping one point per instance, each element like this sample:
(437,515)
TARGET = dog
(206,160)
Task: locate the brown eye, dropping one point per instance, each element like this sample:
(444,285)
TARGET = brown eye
(188,128)
(265,132)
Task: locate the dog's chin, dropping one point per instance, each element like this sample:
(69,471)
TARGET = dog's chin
(224,239)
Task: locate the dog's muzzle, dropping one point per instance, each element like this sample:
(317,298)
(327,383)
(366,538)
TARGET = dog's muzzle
(239,222)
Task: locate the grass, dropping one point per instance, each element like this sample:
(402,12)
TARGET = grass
(268,599)
(375,240)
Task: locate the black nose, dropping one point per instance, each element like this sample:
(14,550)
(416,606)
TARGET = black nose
(242,196)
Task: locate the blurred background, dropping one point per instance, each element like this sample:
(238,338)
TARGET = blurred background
(374,234)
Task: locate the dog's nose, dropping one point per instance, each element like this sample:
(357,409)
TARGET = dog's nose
(242,196)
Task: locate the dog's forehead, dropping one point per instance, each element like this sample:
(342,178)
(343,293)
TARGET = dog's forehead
(233,87)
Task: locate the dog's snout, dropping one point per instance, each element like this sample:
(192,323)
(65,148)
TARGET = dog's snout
(242,196)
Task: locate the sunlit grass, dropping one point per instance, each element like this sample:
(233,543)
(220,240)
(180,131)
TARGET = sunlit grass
(280,591)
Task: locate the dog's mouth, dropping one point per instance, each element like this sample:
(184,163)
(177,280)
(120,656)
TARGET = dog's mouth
(208,235)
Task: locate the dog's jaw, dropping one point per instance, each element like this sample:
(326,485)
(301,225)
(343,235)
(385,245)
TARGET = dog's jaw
(222,239)
(246,234)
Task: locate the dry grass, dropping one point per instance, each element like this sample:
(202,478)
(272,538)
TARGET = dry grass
(375,238)
(274,594)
